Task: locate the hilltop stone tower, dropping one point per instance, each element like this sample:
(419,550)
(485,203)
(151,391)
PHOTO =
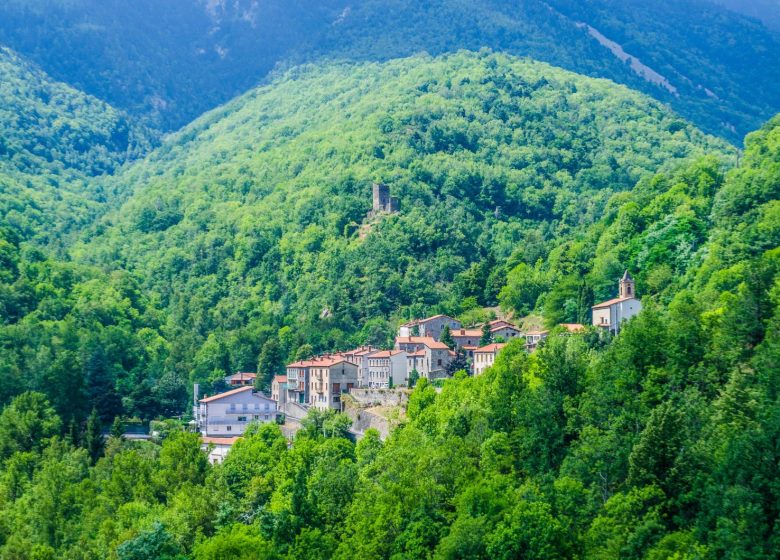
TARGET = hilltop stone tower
(383,202)
(627,286)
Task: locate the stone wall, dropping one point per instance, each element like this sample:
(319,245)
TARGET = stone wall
(381,397)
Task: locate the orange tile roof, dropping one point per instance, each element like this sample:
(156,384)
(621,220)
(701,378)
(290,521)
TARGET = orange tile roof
(424,340)
(535,333)
(573,327)
(611,302)
(490,348)
(385,353)
(466,332)
(227,394)
(280,379)
(219,440)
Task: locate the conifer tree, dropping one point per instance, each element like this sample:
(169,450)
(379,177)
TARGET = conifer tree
(487,336)
(446,337)
(93,439)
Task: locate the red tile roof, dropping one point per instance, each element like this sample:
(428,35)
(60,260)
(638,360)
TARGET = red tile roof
(490,348)
(460,333)
(242,375)
(424,340)
(385,353)
(573,327)
(537,333)
(280,379)
(227,394)
(219,440)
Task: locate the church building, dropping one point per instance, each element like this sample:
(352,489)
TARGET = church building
(610,314)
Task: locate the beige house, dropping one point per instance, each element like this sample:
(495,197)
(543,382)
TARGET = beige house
(228,414)
(430,327)
(485,357)
(329,378)
(611,314)
(387,368)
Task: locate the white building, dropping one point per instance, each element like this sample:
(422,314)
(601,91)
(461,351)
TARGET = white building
(534,338)
(387,368)
(485,357)
(610,314)
(503,329)
(217,448)
(228,414)
(279,390)
(430,327)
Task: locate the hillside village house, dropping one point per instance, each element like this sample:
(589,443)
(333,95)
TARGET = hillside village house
(359,356)
(468,339)
(611,314)
(503,329)
(430,327)
(241,379)
(329,378)
(387,368)
(217,448)
(534,338)
(485,357)
(228,414)
(436,355)
(298,381)
(279,390)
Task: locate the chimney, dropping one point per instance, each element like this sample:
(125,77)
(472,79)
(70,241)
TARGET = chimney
(196,394)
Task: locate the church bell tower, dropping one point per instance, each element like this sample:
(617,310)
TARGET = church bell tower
(627,286)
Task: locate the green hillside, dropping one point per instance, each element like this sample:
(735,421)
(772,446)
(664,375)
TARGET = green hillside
(253,219)
(52,139)
(660,443)
(168,61)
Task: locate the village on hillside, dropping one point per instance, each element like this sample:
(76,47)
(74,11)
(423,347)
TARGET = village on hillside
(433,348)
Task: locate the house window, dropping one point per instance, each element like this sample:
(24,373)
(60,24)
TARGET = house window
(256,417)
(242,418)
(244,407)
(232,407)
(439,361)
(229,428)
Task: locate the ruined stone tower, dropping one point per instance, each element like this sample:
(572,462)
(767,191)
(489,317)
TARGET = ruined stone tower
(383,202)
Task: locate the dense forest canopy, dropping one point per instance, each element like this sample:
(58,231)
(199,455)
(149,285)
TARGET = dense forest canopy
(662,443)
(249,227)
(53,139)
(168,61)
(134,264)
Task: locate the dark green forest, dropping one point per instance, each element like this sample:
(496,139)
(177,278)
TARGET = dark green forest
(168,61)
(662,443)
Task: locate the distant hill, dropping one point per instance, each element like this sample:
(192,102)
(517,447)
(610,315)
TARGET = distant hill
(52,139)
(768,11)
(256,213)
(171,60)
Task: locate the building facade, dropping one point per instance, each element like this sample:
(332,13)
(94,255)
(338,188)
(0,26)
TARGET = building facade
(228,414)
(611,314)
(430,327)
(436,356)
(387,369)
(485,357)
(329,379)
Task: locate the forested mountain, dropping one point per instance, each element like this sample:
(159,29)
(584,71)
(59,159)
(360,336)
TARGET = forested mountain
(52,139)
(171,60)
(767,11)
(661,443)
(250,225)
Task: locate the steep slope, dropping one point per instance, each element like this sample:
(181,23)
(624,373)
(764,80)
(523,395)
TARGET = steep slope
(171,60)
(254,217)
(53,138)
